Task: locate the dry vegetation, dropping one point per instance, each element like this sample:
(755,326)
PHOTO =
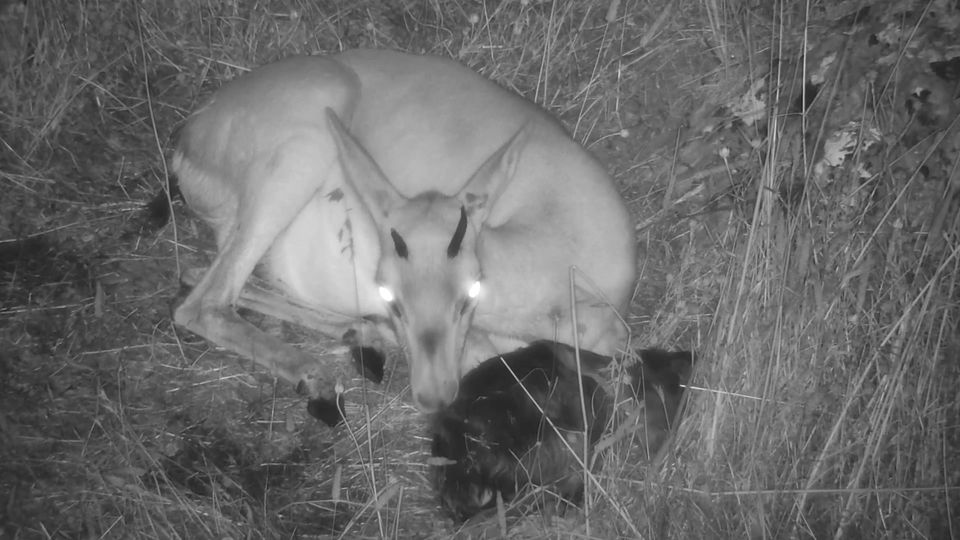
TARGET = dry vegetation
(809,254)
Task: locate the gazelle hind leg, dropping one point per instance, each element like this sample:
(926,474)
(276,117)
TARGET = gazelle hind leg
(287,180)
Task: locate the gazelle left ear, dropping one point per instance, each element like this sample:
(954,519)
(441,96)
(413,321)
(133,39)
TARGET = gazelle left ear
(492,178)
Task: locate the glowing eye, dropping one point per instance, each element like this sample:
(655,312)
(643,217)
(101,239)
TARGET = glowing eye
(386,294)
(474,290)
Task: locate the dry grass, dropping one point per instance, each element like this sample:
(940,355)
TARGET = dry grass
(811,258)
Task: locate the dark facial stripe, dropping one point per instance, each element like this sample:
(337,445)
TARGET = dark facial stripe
(454,248)
(398,244)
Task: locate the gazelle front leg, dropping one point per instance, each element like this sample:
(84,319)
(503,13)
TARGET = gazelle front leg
(279,185)
(362,336)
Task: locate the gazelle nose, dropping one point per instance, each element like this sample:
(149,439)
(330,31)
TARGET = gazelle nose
(431,402)
(430,342)
(427,403)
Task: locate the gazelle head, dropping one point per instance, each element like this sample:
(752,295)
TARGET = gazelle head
(429,274)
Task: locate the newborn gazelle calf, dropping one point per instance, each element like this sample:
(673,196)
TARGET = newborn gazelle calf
(517,421)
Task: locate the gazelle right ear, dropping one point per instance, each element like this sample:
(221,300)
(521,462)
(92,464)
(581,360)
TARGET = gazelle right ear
(373,188)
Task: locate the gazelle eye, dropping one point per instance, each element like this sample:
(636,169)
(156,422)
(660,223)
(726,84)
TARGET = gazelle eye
(386,294)
(474,290)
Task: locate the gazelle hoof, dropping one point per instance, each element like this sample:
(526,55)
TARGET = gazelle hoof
(328,411)
(369,362)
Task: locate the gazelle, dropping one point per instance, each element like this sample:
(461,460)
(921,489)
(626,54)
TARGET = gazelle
(374,185)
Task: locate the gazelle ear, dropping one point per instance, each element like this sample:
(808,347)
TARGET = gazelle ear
(363,174)
(492,178)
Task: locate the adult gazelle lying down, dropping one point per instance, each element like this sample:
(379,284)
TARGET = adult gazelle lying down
(374,186)
(520,420)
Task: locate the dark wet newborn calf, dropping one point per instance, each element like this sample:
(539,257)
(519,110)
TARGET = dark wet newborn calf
(494,436)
